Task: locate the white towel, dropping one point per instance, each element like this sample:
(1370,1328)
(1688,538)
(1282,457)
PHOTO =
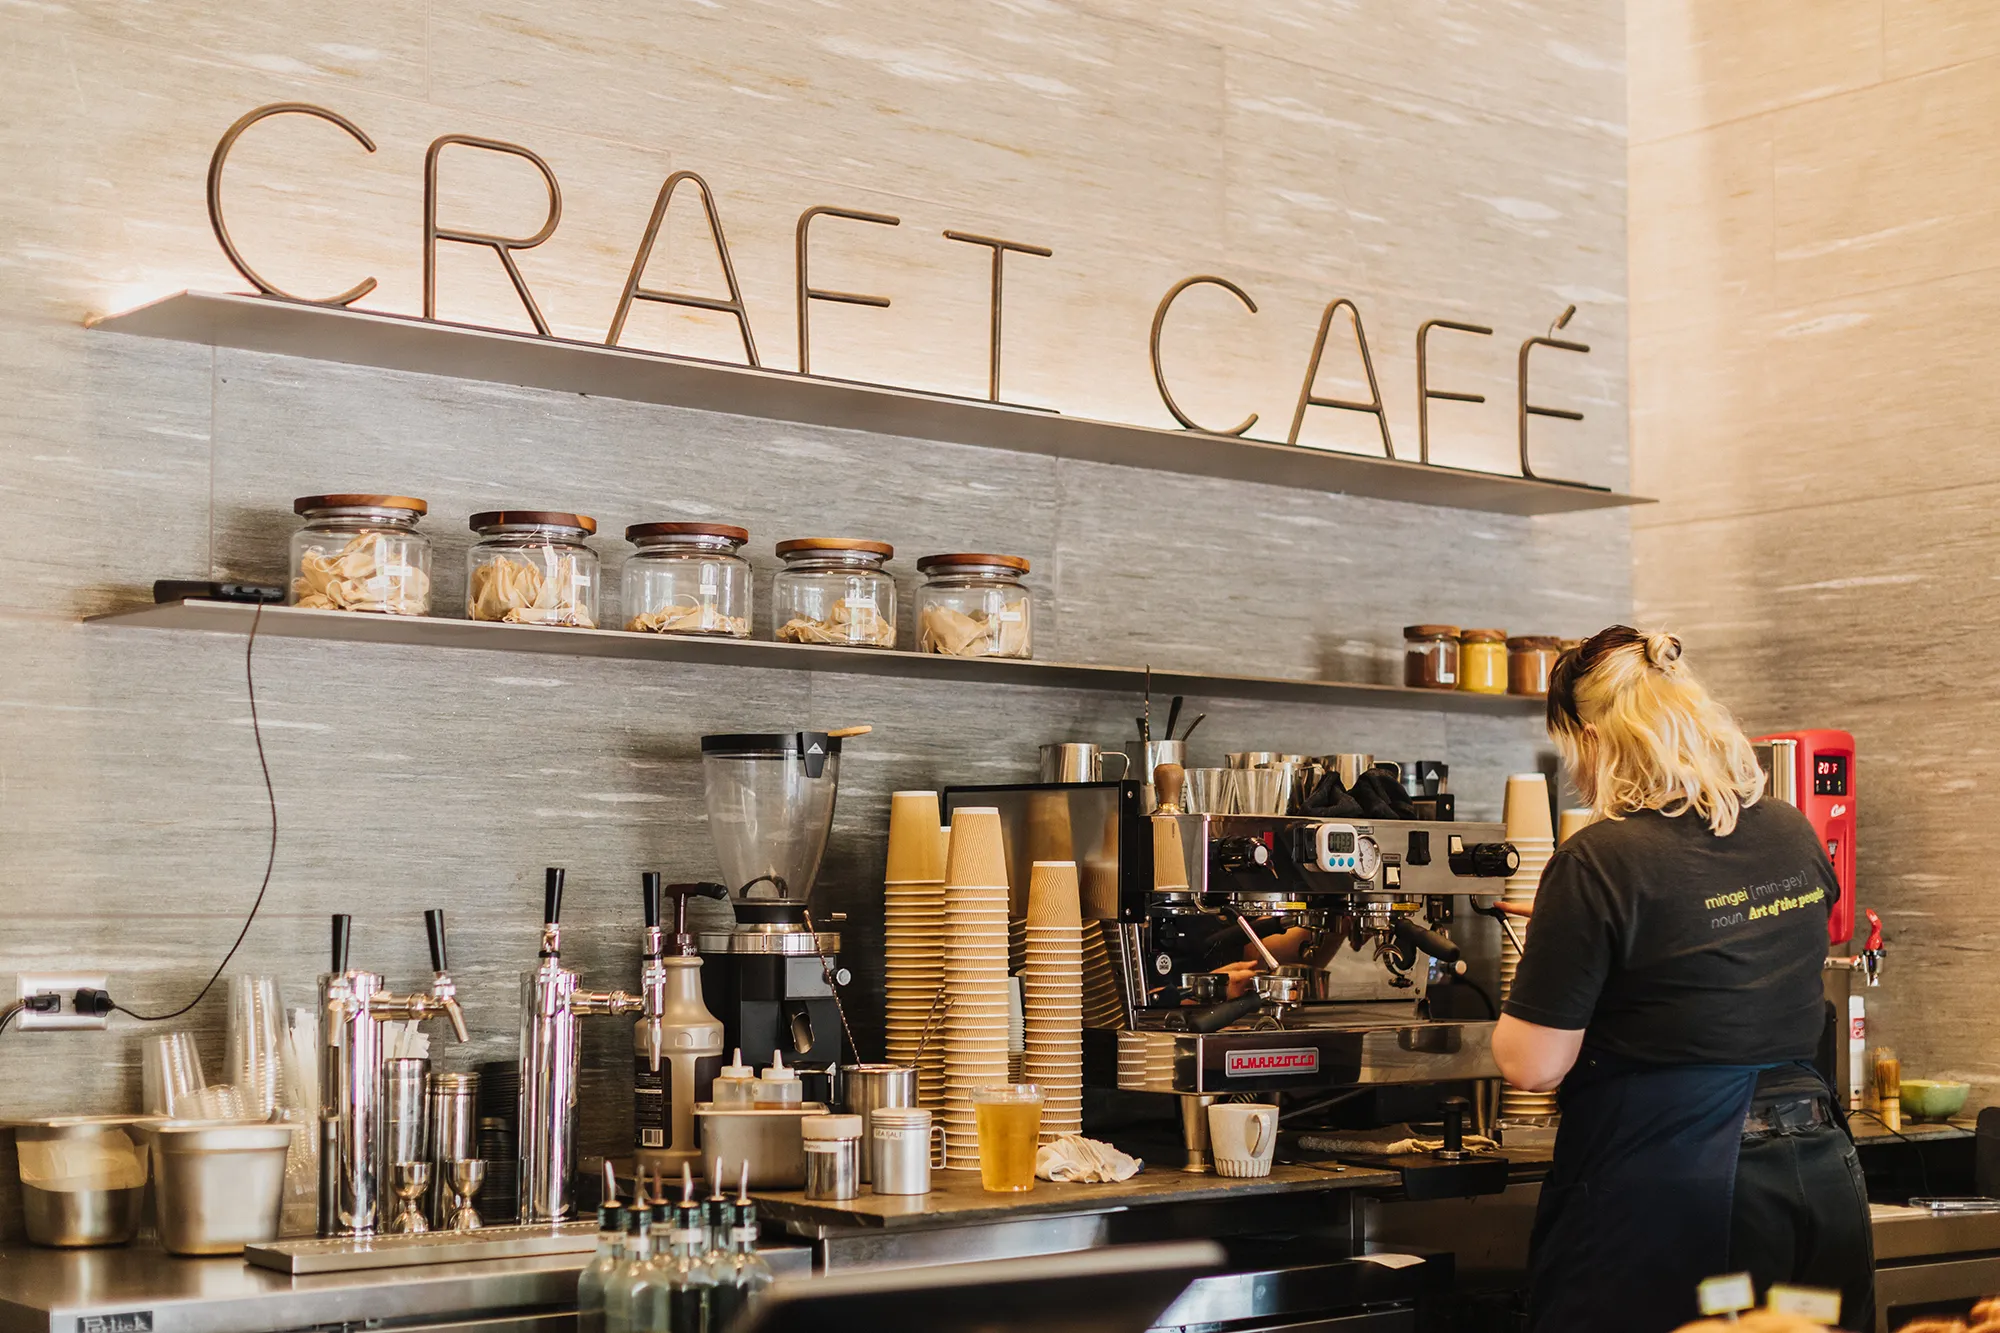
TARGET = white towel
(1076,1158)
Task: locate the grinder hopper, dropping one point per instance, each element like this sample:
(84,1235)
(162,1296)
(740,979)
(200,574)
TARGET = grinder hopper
(770,805)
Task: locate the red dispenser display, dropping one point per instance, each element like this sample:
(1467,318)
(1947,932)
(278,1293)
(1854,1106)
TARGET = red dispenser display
(1821,784)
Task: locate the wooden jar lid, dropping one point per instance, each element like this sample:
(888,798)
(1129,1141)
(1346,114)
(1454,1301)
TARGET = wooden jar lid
(928,563)
(532,518)
(726,531)
(1430,631)
(797,545)
(307,503)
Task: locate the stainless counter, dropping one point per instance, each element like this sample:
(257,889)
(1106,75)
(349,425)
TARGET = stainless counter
(139,1289)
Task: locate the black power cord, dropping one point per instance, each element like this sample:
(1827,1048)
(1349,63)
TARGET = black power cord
(270,862)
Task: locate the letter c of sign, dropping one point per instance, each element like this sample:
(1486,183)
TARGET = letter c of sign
(221,155)
(1160,322)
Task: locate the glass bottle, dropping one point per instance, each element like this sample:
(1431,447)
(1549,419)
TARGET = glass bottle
(687,1279)
(1482,661)
(361,553)
(834,590)
(1430,657)
(590,1283)
(624,1281)
(742,1284)
(687,578)
(974,605)
(532,567)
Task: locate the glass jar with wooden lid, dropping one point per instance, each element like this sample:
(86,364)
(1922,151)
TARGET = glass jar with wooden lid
(1482,661)
(687,578)
(532,567)
(1530,659)
(1430,657)
(973,604)
(833,590)
(361,553)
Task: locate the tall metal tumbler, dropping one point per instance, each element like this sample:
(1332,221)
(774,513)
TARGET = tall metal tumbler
(454,1136)
(869,1088)
(402,1113)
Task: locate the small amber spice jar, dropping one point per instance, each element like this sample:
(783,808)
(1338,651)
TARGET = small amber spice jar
(1482,661)
(1430,657)
(1530,659)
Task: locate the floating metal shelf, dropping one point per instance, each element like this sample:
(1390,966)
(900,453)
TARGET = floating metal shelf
(398,342)
(289,622)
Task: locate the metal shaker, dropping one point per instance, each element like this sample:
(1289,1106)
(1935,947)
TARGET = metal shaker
(454,1136)
(833,1155)
(900,1144)
(871,1087)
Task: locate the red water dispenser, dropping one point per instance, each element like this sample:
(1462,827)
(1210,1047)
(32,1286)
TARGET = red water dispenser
(1814,770)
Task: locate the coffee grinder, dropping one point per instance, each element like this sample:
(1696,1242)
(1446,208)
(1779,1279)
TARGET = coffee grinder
(772,979)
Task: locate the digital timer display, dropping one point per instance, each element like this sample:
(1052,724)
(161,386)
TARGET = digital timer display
(1829,775)
(1340,842)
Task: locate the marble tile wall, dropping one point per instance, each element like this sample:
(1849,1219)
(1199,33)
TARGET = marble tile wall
(1431,159)
(1813,285)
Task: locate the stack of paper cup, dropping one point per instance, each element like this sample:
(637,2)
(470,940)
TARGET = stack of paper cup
(1052,994)
(1532,832)
(1102,1007)
(1573,821)
(913,937)
(975,974)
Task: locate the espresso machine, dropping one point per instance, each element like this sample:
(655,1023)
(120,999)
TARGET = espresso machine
(772,979)
(1354,920)
(353,1005)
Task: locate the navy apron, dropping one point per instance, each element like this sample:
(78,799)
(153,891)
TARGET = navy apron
(1636,1209)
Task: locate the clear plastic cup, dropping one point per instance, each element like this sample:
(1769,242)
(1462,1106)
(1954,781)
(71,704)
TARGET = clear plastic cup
(1008,1118)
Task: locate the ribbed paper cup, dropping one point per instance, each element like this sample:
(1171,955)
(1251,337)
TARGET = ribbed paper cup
(1053,896)
(978,853)
(913,838)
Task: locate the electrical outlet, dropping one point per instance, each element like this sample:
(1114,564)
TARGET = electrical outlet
(65,985)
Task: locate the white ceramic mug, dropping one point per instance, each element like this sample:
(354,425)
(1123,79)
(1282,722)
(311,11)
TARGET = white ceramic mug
(1242,1136)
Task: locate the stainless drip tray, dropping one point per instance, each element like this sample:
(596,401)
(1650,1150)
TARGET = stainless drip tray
(788,941)
(342,1254)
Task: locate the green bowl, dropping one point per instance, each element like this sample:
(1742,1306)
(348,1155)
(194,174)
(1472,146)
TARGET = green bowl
(1926,1099)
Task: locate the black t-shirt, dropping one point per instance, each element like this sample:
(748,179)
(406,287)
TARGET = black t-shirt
(1670,945)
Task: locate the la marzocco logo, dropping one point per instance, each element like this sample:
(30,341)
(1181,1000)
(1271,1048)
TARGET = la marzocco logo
(1243,1064)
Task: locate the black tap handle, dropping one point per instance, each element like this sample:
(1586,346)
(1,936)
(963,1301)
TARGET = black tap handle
(1413,936)
(552,897)
(719,892)
(1216,1017)
(651,882)
(1454,1110)
(434,927)
(343,927)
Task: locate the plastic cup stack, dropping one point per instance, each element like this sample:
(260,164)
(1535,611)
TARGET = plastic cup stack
(1052,996)
(975,975)
(1532,832)
(913,936)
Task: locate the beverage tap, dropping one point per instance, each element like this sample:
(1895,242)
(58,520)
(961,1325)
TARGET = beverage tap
(552,1001)
(1869,961)
(653,972)
(353,1007)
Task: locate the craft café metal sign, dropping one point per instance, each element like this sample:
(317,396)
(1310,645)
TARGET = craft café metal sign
(506,247)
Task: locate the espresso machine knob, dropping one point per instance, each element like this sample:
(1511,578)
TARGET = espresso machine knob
(1241,855)
(1484,860)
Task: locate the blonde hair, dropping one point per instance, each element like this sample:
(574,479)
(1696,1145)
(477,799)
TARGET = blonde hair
(1637,731)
